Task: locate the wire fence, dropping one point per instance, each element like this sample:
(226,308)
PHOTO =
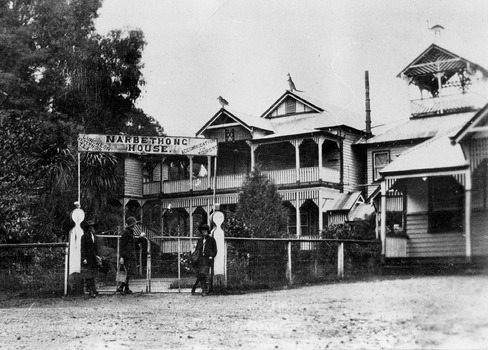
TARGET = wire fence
(34,269)
(267,263)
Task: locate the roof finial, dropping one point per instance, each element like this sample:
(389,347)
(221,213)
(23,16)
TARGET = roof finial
(437,29)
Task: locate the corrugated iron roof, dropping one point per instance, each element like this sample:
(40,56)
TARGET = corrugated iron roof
(253,121)
(421,128)
(344,201)
(361,210)
(299,123)
(435,154)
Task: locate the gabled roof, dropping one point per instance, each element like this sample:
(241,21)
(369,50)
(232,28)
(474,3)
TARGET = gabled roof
(247,121)
(436,59)
(479,122)
(316,120)
(307,101)
(422,128)
(435,154)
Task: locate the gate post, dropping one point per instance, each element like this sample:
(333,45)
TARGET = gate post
(219,270)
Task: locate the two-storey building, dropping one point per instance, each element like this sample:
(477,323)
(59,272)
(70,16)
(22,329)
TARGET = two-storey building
(421,180)
(304,146)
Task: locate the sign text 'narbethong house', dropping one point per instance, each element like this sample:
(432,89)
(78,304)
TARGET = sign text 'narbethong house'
(147,144)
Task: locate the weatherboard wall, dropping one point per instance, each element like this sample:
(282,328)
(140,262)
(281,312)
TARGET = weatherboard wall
(395,151)
(353,164)
(132,177)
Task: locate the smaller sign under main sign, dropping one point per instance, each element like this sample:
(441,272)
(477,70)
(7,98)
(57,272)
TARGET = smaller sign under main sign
(147,144)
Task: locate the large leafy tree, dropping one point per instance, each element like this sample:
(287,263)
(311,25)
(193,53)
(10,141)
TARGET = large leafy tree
(58,78)
(260,212)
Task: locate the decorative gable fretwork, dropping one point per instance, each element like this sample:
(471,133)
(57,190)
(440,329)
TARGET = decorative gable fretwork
(291,103)
(478,151)
(228,133)
(290,106)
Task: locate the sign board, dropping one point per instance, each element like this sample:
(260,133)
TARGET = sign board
(147,144)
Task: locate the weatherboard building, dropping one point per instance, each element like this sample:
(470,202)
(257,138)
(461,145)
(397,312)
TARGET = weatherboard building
(304,146)
(428,176)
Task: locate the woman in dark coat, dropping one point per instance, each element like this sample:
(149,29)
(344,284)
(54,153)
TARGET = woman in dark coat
(207,250)
(128,257)
(89,258)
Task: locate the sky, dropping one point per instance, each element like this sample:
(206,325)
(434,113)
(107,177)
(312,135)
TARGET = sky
(242,50)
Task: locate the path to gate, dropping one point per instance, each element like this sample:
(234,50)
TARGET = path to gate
(158,285)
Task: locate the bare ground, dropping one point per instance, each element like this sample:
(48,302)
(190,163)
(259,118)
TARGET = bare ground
(443,312)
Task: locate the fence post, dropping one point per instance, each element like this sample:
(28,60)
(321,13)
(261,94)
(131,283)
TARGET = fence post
(290,275)
(140,260)
(340,260)
(148,266)
(66,268)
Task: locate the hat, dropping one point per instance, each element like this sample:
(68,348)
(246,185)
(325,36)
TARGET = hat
(204,227)
(90,223)
(131,221)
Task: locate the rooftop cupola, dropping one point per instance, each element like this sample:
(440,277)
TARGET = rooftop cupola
(441,82)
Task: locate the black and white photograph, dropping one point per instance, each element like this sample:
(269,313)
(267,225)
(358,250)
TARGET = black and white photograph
(243,174)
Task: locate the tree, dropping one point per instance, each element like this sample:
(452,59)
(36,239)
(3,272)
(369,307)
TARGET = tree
(58,78)
(259,212)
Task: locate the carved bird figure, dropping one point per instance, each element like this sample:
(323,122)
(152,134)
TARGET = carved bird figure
(222,101)
(292,84)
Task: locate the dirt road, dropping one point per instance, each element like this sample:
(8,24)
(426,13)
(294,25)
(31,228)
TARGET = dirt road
(448,312)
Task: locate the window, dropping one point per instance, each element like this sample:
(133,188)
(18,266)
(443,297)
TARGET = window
(446,205)
(146,175)
(290,106)
(380,160)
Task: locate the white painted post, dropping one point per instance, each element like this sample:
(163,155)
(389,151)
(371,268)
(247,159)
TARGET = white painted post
(467,215)
(321,165)
(340,260)
(321,211)
(297,160)
(298,221)
(253,160)
(290,275)
(190,210)
(219,265)
(66,268)
(383,220)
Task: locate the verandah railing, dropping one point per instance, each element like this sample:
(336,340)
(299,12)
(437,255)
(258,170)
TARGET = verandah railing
(279,177)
